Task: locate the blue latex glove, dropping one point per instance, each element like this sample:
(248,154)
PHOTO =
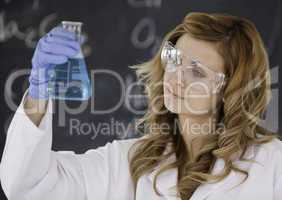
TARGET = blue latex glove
(54,48)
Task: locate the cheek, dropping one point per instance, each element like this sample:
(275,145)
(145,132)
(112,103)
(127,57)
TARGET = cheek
(197,103)
(199,91)
(168,79)
(199,86)
(187,85)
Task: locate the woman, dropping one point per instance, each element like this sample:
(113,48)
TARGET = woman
(209,83)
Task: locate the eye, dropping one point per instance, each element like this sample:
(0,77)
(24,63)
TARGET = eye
(194,63)
(198,73)
(197,70)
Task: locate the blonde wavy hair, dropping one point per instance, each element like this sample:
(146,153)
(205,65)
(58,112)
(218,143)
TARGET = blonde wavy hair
(247,94)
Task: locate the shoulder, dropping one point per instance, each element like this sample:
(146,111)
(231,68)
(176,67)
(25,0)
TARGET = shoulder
(123,145)
(112,156)
(271,153)
(115,148)
(272,148)
(275,147)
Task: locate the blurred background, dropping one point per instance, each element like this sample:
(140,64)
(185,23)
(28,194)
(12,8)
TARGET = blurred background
(119,33)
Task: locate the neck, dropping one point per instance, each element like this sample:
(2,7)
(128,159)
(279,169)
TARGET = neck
(192,128)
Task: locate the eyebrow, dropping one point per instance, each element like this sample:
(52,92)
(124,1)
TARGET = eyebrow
(205,65)
(201,63)
(208,66)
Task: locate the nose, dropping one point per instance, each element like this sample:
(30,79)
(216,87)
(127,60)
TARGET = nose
(175,79)
(180,78)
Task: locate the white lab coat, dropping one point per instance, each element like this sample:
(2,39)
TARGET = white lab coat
(30,170)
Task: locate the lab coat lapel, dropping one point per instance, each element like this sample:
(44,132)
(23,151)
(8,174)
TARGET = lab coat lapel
(207,189)
(234,178)
(165,181)
(168,179)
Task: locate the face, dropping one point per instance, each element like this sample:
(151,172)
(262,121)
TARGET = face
(189,88)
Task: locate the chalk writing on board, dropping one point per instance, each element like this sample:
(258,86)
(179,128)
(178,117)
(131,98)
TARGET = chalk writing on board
(30,35)
(35,4)
(146,24)
(145,3)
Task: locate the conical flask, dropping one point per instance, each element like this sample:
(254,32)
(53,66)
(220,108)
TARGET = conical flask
(70,80)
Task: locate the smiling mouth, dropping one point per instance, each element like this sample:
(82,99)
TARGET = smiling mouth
(175,95)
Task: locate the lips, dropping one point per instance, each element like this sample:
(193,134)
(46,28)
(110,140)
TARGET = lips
(175,95)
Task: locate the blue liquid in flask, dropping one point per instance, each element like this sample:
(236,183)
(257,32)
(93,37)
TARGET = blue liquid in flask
(70,81)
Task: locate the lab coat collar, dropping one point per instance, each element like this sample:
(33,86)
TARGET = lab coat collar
(168,179)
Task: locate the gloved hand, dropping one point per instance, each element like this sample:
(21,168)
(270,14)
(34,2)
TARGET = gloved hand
(52,49)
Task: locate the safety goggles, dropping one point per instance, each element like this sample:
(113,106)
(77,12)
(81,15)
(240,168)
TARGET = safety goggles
(173,59)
